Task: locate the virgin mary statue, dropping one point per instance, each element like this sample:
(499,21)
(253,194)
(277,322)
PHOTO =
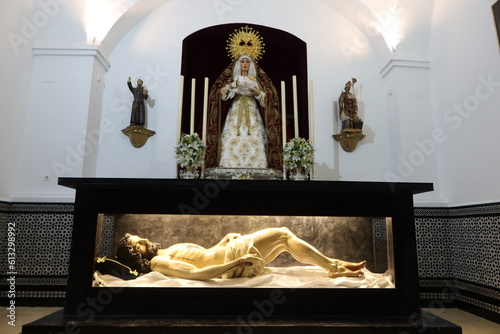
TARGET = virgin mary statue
(244,126)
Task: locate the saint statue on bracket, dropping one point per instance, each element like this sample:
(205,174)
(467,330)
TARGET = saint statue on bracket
(136,131)
(352,126)
(138,115)
(348,108)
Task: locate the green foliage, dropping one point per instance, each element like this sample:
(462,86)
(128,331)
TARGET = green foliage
(191,151)
(298,152)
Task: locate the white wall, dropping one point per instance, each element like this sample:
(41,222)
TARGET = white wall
(465,76)
(17,62)
(55,127)
(402,104)
(156,57)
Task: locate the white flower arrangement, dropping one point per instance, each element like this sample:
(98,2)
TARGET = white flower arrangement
(298,153)
(191,151)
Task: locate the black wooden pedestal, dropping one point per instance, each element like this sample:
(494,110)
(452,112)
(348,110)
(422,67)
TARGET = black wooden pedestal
(57,323)
(227,310)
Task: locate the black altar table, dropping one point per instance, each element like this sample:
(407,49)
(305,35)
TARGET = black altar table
(264,307)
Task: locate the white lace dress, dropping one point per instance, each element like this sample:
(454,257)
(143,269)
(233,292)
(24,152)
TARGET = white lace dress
(243,136)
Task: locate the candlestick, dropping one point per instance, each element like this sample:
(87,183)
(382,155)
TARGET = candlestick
(295,107)
(193,90)
(205,111)
(179,117)
(311,111)
(283,112)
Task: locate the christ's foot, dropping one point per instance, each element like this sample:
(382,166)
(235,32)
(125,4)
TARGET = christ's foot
(354,266)
(347,273)
(346,269)
(344,272)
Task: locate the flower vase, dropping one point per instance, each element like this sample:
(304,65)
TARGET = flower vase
(299,174)
(189,173)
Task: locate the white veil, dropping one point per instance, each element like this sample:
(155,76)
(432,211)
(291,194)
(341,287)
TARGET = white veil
(252,72)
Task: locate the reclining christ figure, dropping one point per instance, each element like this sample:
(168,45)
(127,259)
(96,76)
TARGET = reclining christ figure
(235,255)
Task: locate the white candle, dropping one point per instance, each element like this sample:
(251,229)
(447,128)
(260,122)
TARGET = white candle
(179,117)
(311,122)
(311,111)
(193,90)
(205,111)
(283,112)
(295,107)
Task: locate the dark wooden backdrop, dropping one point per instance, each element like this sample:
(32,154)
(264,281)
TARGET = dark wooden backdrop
(204,54)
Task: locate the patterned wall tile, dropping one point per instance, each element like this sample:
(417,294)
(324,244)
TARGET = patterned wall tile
(380,245)
(433,247)
(42,245)
(464,244)
(475,244)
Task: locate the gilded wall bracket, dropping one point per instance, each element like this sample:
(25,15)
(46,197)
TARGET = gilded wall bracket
(138,135)
(349,139)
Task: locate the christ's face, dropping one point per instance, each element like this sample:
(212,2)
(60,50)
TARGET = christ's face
(143,246)
(140,245)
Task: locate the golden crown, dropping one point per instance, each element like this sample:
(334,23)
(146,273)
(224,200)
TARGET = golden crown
(245,41)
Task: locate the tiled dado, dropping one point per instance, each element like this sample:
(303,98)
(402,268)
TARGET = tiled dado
(42,234)
(458,253)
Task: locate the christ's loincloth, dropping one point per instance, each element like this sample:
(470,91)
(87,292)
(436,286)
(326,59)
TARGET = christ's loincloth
(237,248)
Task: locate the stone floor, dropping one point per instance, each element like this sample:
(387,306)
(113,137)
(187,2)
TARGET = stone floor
(470,323)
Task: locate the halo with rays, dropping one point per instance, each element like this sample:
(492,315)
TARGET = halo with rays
(245,41)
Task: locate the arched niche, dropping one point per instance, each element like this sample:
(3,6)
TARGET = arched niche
(204,54)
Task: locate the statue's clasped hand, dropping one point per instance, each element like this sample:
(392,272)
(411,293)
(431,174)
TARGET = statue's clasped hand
(248,260)
(243,86)
(254,91)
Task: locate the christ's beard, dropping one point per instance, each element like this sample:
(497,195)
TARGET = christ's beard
(152,250)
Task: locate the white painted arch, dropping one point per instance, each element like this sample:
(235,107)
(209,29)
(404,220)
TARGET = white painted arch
(353,10)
